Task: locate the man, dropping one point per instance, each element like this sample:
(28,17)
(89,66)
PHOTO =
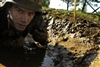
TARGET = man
(18,18)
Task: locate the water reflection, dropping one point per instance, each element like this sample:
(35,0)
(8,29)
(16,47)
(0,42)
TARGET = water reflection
(47,62)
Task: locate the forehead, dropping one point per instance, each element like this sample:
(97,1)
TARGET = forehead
(22,8)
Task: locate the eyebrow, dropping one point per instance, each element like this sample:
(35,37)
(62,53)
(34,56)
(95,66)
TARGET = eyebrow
(17,7)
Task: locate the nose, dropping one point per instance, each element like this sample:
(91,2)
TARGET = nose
(24,18)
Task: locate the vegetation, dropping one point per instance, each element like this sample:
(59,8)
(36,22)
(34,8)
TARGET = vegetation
(69,1)
(46,3)
(60,13)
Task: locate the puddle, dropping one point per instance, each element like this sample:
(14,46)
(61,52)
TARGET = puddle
(54,56)
(58,56)
(34,57)
(19,57)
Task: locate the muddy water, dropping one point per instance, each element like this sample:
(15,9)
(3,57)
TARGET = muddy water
(58,56)
(20,57)
(53,56)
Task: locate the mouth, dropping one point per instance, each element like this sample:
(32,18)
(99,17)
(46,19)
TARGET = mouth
(21,25)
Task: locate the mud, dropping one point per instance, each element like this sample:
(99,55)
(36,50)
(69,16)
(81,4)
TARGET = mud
(19,57)
(71,43)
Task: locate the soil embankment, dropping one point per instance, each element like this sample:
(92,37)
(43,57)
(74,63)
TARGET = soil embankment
(72,43)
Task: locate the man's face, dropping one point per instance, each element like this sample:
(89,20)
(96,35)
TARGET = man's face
(21,17)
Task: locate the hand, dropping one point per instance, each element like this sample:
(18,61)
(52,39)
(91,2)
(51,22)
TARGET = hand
(40,35)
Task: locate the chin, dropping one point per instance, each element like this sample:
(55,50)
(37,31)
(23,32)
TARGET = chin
(20,29)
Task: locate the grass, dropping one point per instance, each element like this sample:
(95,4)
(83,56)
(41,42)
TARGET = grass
(60,13)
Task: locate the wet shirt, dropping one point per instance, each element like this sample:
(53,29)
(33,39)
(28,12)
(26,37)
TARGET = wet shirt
(10,36)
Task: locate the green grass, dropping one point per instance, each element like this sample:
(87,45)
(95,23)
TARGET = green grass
(60,13)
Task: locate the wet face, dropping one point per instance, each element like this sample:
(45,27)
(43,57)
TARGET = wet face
(20,16)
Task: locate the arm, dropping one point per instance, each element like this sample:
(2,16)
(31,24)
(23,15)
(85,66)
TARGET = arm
(39,31)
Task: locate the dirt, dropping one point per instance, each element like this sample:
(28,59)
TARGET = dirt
(71,43)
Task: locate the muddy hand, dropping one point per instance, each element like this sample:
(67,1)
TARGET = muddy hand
(40,35)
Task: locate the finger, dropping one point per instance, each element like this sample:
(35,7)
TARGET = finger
(41,29)
(37,32)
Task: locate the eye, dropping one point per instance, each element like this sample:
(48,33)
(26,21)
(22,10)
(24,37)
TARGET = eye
(19,10)
(32,14)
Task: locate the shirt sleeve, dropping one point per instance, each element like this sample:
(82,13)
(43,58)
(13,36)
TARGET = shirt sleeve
(39,23)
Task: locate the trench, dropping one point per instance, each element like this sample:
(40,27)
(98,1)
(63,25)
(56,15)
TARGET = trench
(70,44)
